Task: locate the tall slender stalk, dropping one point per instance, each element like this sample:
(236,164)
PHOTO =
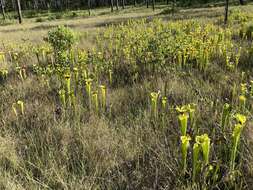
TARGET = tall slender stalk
(185,143)
(2,57)
(88,83)
(21,108)
(241,120)
(95,101)
(226,12)
(225,115)
(164,104)
(154,100)
(196,149)
(14,109)
(21,104)
(62,94)
(3,9)
(202,145)
(20,19)
(251,88)
(67,88)
(103,97)
(110,76)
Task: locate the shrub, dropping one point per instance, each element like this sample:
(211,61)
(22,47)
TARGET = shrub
(51,17)
(249,32)
(39,19)
(239,16)
(61,39)
(58,16)
(74,14)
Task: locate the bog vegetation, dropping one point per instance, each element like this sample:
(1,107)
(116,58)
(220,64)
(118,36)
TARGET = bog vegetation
(152,105)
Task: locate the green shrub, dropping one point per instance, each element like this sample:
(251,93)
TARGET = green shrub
(74,14)
(58,16)
(239,16)
(39,19)
(249,31)
(51,17)
(61,39)
(246,31)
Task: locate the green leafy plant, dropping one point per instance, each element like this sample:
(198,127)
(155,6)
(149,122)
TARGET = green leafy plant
(61,39)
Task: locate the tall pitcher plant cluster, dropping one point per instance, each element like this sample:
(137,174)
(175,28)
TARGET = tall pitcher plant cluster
(201,147)
(96,97)
(67,96)
(158,105)
(186,116)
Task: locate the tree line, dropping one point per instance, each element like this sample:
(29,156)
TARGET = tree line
(61,5)
(11,5)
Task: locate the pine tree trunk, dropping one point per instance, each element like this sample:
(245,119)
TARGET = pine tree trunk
(173,7)
(89,7)
(241,2)
(123,4)
(135,3)
(19,11)
(111,5)
(226,12)
(153,4)
(2,8)
(117,5)
(147,3)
